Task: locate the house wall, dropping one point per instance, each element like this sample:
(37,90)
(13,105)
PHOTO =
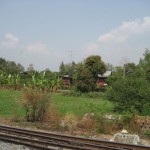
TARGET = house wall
(101,82)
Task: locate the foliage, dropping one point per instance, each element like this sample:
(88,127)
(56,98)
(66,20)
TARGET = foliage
(45,81)
(13,76)
(129,68)
(95,65)
(10,67)
(88,72)
(62,69)
(36,104)
(84,74)
(132,92)
(67,69)
(85,82)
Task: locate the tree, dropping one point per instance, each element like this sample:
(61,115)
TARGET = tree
(95,65)
(87,73)
(20,68)
(30,68)
(69,68)
(10,67)
(62,68)
(128,69)
(85,82)
(2,63)
(132,92)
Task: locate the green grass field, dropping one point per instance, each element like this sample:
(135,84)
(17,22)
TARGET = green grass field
(79,105)
(9,104)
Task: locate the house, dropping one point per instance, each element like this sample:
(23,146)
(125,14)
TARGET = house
(101,81)
(67,80)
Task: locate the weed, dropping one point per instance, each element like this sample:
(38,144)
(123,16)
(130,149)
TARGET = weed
(35,103)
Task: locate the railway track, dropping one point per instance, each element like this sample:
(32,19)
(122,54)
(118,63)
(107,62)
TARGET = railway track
(50,141)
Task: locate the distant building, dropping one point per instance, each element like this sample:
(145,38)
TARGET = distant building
(101,81)
(67,80)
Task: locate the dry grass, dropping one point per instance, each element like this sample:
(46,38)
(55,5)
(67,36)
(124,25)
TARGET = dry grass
(35,103)
(52,115)
(69,122)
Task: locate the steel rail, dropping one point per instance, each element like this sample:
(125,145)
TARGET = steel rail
(75,144)
(91,141)
(37,143)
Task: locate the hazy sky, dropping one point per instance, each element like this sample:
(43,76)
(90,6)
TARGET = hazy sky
(46,32)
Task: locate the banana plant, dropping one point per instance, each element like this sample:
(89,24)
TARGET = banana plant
(55,83)
(17,80)
(2,78)
(10,79)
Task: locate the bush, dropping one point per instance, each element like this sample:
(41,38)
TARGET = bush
(35,103)
(130,94)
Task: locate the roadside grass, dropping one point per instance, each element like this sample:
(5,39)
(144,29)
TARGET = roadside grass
(80,105)
(9,104)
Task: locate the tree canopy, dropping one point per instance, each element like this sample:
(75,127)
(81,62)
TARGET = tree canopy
(10,66)
(95,65)
(132,92)
(87,73)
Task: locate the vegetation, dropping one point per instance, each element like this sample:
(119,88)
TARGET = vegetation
(36,104)
(88,72)
(70,104)
(9,103)
(85,81)
(131,90)
(81,105)
(95,65)
(18,79)
(127,93)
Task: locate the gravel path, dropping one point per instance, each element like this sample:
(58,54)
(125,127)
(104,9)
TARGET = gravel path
(9,146)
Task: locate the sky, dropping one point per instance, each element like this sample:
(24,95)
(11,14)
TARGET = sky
(46,32)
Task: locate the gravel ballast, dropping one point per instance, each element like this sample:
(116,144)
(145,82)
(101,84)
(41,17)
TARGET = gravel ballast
(9,146)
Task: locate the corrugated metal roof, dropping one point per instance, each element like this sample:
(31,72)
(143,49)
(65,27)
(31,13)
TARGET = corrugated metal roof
(106,74)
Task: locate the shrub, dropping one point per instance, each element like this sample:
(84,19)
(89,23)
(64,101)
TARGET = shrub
(130,94)
(35,103)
